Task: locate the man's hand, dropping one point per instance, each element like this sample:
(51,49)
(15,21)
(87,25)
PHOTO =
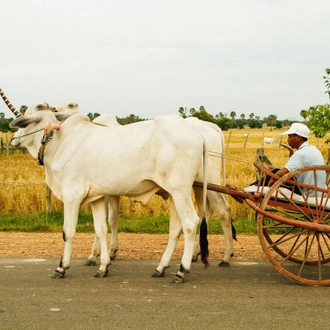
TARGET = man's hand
(271,182)
(280,173)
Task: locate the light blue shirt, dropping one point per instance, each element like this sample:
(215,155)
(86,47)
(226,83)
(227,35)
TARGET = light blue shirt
(307,155)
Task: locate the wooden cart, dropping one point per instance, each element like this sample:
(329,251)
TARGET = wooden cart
(293,229)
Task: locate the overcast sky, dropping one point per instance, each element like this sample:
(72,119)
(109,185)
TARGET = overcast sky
(149,57)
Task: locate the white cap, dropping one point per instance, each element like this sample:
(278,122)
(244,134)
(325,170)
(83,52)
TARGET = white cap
(299,129)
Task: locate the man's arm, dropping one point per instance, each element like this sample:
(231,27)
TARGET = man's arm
(280,173)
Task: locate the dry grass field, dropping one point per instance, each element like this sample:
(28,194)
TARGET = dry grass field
(22,188)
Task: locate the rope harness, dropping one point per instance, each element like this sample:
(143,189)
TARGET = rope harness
(45,139)
(18,137)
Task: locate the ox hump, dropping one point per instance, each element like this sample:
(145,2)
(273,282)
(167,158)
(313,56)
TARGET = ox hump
(78,119)
(106,119)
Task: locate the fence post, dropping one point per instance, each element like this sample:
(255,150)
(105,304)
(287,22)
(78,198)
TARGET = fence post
(48,200)
(246,137)
(262,158)
(280,143)
(7,146)
(228,138)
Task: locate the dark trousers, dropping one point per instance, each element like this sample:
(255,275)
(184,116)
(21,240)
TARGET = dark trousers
(265,181)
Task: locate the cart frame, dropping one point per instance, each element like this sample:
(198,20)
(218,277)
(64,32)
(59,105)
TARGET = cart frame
(294,230)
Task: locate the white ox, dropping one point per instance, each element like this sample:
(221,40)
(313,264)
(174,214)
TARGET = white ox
(85,162)
(270,140)
(215,201)
(67,108)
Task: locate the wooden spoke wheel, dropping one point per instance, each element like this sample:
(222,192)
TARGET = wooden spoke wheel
(294,231)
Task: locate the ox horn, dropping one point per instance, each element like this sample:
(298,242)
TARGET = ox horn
(9,105)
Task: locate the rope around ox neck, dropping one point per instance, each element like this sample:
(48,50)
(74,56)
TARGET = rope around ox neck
(46,138)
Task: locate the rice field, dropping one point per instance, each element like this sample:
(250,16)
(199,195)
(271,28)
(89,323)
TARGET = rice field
(23,191)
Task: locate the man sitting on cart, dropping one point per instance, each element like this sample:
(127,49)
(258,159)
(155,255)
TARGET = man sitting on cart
(306,155)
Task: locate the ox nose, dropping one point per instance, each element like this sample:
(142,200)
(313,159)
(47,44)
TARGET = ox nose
(14,141)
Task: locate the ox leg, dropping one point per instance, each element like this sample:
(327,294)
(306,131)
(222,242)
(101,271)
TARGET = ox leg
(71,209)
(219,203)
(184,210)
(189,222)
(91,261)
(113,219)
(112,207)
(101,230)
(174,234)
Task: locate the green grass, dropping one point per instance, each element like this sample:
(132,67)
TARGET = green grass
(42,222)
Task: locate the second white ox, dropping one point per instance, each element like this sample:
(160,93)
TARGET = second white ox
(85,162)
(215,201)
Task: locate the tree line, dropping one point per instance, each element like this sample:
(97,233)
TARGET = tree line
(317,117)
(224,121)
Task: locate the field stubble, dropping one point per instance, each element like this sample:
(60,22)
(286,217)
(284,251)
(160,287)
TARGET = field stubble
(23,190)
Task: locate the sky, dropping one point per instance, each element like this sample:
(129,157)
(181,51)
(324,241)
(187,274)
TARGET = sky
(150,57)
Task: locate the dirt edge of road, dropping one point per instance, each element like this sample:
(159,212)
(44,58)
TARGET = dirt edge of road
(131,246)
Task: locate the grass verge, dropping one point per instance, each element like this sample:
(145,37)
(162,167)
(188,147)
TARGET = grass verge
(53,222)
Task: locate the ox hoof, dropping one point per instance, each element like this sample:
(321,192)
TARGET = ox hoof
(157,274)
(113,255)
(177,279)
(224,264)
(195,258)
(89,262)
(57,275)
(100,274)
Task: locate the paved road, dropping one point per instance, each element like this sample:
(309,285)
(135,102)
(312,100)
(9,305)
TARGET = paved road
(247,295)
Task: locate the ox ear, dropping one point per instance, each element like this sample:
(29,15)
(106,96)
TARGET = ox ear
(60,116)
(24,121)
(72,105)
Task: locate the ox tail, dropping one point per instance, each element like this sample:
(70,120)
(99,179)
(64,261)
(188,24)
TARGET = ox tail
(203,242)
(233,230)
(9,105)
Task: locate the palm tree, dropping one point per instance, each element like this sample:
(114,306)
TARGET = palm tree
(22,109)
(272,120)
(233,115)
(183,112)
(303,113)
(192,112)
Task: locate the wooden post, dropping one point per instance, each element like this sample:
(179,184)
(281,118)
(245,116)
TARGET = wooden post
(228,138)
(246,137)
(7,146)
(261,157)
(48,200)
(263,139)
(280,143)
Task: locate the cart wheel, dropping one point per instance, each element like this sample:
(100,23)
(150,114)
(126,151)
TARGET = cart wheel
(296,235)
